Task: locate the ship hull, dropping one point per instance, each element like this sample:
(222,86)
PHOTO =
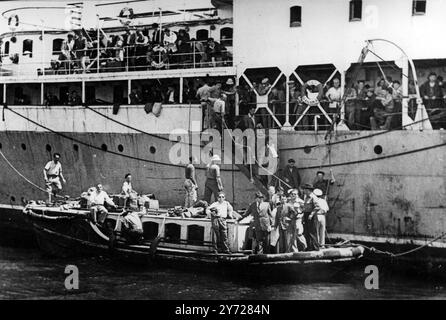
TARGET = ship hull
(397,194)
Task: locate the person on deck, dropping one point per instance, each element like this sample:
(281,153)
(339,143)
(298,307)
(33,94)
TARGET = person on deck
(311,224)
(213,184)
(284,215)
(323,184)
(53,176)
(291,175)
(127,188)
(273,197)
(190,184)
(321,208)
(295,233)
(203,94)
(431,92)
(249,120)
(261,212)
(219,212)
(383,111)
(98,210)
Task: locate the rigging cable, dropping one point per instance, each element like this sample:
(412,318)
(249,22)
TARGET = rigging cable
(21,175)
(180,166)
(99,148)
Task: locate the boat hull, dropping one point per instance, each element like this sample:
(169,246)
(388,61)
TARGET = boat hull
(73,237)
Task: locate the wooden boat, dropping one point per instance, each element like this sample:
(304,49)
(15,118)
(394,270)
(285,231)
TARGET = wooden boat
(177,241)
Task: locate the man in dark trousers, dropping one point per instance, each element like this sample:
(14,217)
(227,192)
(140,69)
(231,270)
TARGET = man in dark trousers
(311,223)
(261,212)
(291,175)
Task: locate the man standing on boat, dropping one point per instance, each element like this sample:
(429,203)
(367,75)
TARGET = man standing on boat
(284,215)
(190,184)
(263,221)
(213,185)
(321,207)
(219,212)
(128,192)
(311,223)
(53,174)
(295,232)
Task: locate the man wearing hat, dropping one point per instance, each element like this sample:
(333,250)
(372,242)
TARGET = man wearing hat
(213,184)
(323,184)
(291,175)
(311,224)
(321,207)
(261,212)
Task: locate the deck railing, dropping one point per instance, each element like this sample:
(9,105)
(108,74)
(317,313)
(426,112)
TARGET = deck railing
(138,57)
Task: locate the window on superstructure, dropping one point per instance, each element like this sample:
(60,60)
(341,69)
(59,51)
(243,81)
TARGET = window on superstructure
(226,36)
(6,48)
(295,16)
(27,47)
(57,46)
(202,35)
(418,7)
(355,10)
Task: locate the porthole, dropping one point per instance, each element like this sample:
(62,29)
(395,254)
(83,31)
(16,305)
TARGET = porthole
(12,198)
(104,147)
(75,147)
(152,149)
(307,149)
(23,146)
(378,149)
(48,148)
(121,148)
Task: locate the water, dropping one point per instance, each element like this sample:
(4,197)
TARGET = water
(27,274)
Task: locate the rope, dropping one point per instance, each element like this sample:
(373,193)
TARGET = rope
(100,149)
(139,130)
(21,175)
(397,255)
(255,158)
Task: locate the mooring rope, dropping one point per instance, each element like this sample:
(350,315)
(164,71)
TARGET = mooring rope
(21,175)
(397,255)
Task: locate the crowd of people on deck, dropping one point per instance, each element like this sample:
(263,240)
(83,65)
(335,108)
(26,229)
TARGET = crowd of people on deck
(139,49)
(367,106)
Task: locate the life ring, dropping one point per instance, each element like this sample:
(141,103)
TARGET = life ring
(313,98)
(163,58)
(14,25)
(126,13)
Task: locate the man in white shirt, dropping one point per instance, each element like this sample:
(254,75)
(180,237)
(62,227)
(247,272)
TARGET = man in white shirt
(321,207)
(219,113)
(203,93)
(98,210)
(53,174)
(219,211)
(334,94)
(127,185)
(170,39)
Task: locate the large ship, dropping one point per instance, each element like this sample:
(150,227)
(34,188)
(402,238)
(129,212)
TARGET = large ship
(389,185)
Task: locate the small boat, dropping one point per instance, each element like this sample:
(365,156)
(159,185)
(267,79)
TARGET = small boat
(177,241)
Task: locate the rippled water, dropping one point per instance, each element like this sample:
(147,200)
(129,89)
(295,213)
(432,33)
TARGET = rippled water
(27,274)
